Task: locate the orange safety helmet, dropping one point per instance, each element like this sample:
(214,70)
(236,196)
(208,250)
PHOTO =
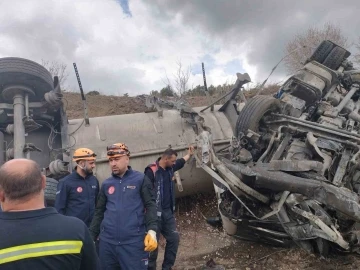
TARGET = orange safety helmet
(84,154)
(117,150)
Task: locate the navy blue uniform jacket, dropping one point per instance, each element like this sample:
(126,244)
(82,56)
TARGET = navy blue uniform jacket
(126,209)
(76,196)
(43,239)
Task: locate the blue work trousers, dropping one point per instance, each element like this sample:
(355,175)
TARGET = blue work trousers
(123,257)
(166,227)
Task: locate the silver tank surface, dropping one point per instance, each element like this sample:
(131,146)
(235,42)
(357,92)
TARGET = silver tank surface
(147,136)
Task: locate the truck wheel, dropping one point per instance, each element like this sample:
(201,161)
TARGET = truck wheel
(19,71)
(321,51)
(335,58)
(253,112)
(50,191)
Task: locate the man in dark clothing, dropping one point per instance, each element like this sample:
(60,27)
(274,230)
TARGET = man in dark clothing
(161,173)
(125,214)
(35,237)
(77,193)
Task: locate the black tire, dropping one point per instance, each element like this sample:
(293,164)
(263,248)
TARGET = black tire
(19,71)
(322,51)
(50,191)
(253,111)
(335,58)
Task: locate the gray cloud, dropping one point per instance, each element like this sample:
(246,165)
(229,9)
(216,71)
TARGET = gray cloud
(124,46)
(266,25)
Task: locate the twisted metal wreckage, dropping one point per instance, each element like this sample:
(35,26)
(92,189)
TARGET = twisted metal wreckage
(291,172)
(285,168)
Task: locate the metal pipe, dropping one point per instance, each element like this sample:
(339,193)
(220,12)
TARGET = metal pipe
(27,105)
(2,149)
(330,91)
(350,144)
(317,129)
(223,148)
(322,128)
(354,116)
(341,200)
(19,129)
(205,86)
(46,116)
(316,124)
(267,149)
(159,151)
(346,99)
(279,133)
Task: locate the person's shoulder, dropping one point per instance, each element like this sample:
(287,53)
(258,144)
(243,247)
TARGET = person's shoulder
(137,173)
(94,178)
(67,178)
(108,180)
(69,221)
(152,164)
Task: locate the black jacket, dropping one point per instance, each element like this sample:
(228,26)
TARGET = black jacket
(44,239)
(163,185)
(125,210)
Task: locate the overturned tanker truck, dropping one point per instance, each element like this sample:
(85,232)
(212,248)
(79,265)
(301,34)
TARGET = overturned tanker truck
(290,172)
(285,169)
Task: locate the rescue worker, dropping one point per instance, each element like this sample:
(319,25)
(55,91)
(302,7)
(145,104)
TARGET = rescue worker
(35,237)
(125,215)
(161,173)
(77,192)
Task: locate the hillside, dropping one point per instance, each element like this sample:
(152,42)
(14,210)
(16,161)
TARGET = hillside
(101,105)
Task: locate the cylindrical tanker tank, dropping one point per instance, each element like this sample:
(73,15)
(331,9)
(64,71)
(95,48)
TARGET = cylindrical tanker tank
(147,135)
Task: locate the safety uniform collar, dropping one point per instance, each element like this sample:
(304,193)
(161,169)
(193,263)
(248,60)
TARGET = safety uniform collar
(28,214)
(77,175)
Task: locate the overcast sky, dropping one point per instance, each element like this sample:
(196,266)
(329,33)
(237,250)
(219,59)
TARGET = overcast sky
(123,46)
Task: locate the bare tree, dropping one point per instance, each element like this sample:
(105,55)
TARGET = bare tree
(180,78)
(303,44)
(57,69)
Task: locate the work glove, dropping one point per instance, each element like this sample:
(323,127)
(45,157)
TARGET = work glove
(150,241)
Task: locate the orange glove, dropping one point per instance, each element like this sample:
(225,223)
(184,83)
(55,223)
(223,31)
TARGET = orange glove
(150,241)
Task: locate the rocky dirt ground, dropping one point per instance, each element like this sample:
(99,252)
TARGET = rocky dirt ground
(201,243)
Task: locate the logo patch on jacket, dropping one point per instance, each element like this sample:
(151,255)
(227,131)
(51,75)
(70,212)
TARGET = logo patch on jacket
(79,189)
(111,190)
(93,186)
(131,187)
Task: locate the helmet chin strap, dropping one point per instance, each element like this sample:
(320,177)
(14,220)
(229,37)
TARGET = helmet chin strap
(86,171)
(83,168)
